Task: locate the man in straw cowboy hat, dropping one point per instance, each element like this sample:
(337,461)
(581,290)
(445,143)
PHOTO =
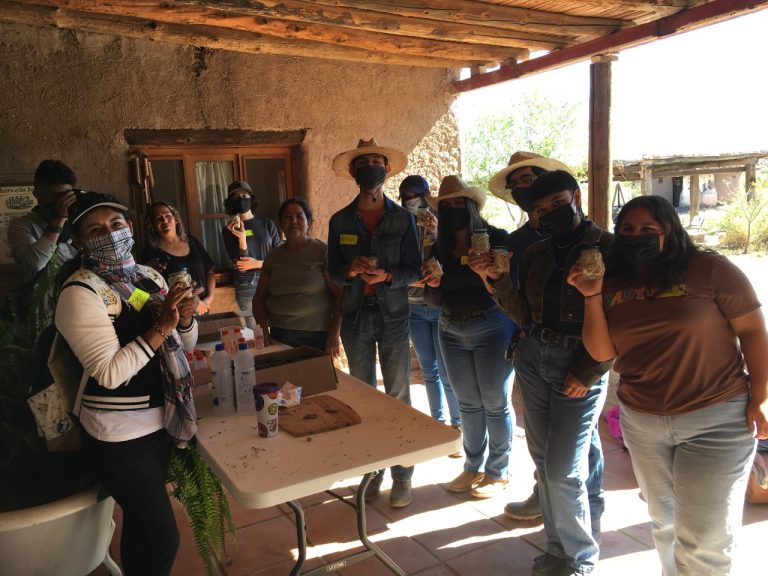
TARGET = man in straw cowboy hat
(513,184)
(373,252)
(561,386)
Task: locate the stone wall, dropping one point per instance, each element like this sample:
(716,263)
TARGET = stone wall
(71,96)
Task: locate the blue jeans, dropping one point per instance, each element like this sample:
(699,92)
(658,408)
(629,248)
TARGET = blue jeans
(360,341)
(560,432)
(423,322)
(474,353)
(693,470)
(314,338)
(245,288)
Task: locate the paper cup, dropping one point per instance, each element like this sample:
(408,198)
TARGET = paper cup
(265,397)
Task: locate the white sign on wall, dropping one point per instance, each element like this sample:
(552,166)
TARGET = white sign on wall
(15,201)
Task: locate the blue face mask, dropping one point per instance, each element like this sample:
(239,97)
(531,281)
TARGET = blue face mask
(113,248)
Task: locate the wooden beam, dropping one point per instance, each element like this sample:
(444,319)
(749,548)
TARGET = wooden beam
(193,137)
(179,13)
(695,194)
(469,12)
(750,178)
(207,37)
(670,172)
(392,22)
(600,139)
(702,15)
(646,183)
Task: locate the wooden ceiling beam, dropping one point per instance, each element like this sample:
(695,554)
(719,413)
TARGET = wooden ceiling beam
(697,17)
(207,37)
(385,15)
(199,14)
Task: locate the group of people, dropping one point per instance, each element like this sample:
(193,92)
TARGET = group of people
(681,325)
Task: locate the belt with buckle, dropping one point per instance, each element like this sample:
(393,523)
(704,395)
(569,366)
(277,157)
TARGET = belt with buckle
(553,337)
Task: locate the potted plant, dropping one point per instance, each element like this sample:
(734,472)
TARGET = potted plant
(53,497)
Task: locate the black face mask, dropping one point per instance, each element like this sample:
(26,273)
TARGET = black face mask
(455,218)
(639,251)
(238,205)
(559,221)
(370,176)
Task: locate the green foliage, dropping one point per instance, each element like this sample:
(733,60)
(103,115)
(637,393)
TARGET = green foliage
(746,219)
(200,492)
(533,122)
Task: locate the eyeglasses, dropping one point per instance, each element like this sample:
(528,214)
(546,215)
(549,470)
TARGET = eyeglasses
(523,182)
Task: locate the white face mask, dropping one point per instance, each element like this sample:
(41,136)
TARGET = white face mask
(414,204)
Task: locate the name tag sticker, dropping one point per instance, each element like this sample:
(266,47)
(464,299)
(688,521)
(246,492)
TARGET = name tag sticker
(249,232)
(464,260)
(348,239)
(138,298)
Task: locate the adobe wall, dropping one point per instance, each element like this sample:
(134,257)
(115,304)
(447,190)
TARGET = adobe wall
(70,95)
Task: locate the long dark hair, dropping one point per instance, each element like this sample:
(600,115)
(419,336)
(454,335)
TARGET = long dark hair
(673,261)
(446,236)
(149,225)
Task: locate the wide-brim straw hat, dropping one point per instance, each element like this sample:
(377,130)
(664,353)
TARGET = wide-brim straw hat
(397,160)
(498,183)
(454,187)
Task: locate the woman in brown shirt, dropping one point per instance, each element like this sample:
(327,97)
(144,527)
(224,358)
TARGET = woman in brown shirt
(689,339)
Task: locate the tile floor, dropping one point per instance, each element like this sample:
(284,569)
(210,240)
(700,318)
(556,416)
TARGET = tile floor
(447,534)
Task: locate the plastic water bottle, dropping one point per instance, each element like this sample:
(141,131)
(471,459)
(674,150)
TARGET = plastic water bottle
(223,382)
(245,379)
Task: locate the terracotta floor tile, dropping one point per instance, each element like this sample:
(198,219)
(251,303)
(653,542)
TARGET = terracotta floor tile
(263,545)
(511,556)
(333,525)
(404,551)
(441,570)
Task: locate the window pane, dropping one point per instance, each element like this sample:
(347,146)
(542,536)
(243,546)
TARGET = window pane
(169,186)
(213,242)
(212,181)
(267,178)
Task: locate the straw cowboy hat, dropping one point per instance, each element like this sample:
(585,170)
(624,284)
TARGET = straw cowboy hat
(396,159)
(498,183)
(454,187)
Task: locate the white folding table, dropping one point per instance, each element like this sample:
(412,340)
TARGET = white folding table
(264,472)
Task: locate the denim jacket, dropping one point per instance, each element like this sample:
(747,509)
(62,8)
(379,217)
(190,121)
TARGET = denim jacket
(523,297)
(394,243)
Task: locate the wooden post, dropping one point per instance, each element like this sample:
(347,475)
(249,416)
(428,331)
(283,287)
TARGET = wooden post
(646,184)
(749,180)
(600,162)
(695,189)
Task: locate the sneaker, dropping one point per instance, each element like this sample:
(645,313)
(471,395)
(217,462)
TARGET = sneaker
(400,495)
(530,509)
(549,565)
(489,487)
(465,481)
(374,486)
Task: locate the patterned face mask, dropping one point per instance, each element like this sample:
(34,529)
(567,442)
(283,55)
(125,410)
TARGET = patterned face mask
(113,248)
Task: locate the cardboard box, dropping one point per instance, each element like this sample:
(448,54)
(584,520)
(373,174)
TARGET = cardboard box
(208,326)
(304,366)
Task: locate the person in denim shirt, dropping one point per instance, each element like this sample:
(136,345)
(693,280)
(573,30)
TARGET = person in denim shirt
(562,387)
(373,252)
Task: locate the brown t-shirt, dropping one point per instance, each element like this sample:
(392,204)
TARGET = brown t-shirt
(676,352)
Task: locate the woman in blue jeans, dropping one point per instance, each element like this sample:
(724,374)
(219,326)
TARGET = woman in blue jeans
(689,338)
(423,318)
(474,335)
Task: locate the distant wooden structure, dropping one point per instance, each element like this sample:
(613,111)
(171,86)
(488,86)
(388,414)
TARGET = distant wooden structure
(648,169)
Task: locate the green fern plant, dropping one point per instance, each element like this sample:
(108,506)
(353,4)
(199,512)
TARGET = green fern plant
(200,492)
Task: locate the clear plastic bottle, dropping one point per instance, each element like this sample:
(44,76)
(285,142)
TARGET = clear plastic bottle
(222,381)
(245,379)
